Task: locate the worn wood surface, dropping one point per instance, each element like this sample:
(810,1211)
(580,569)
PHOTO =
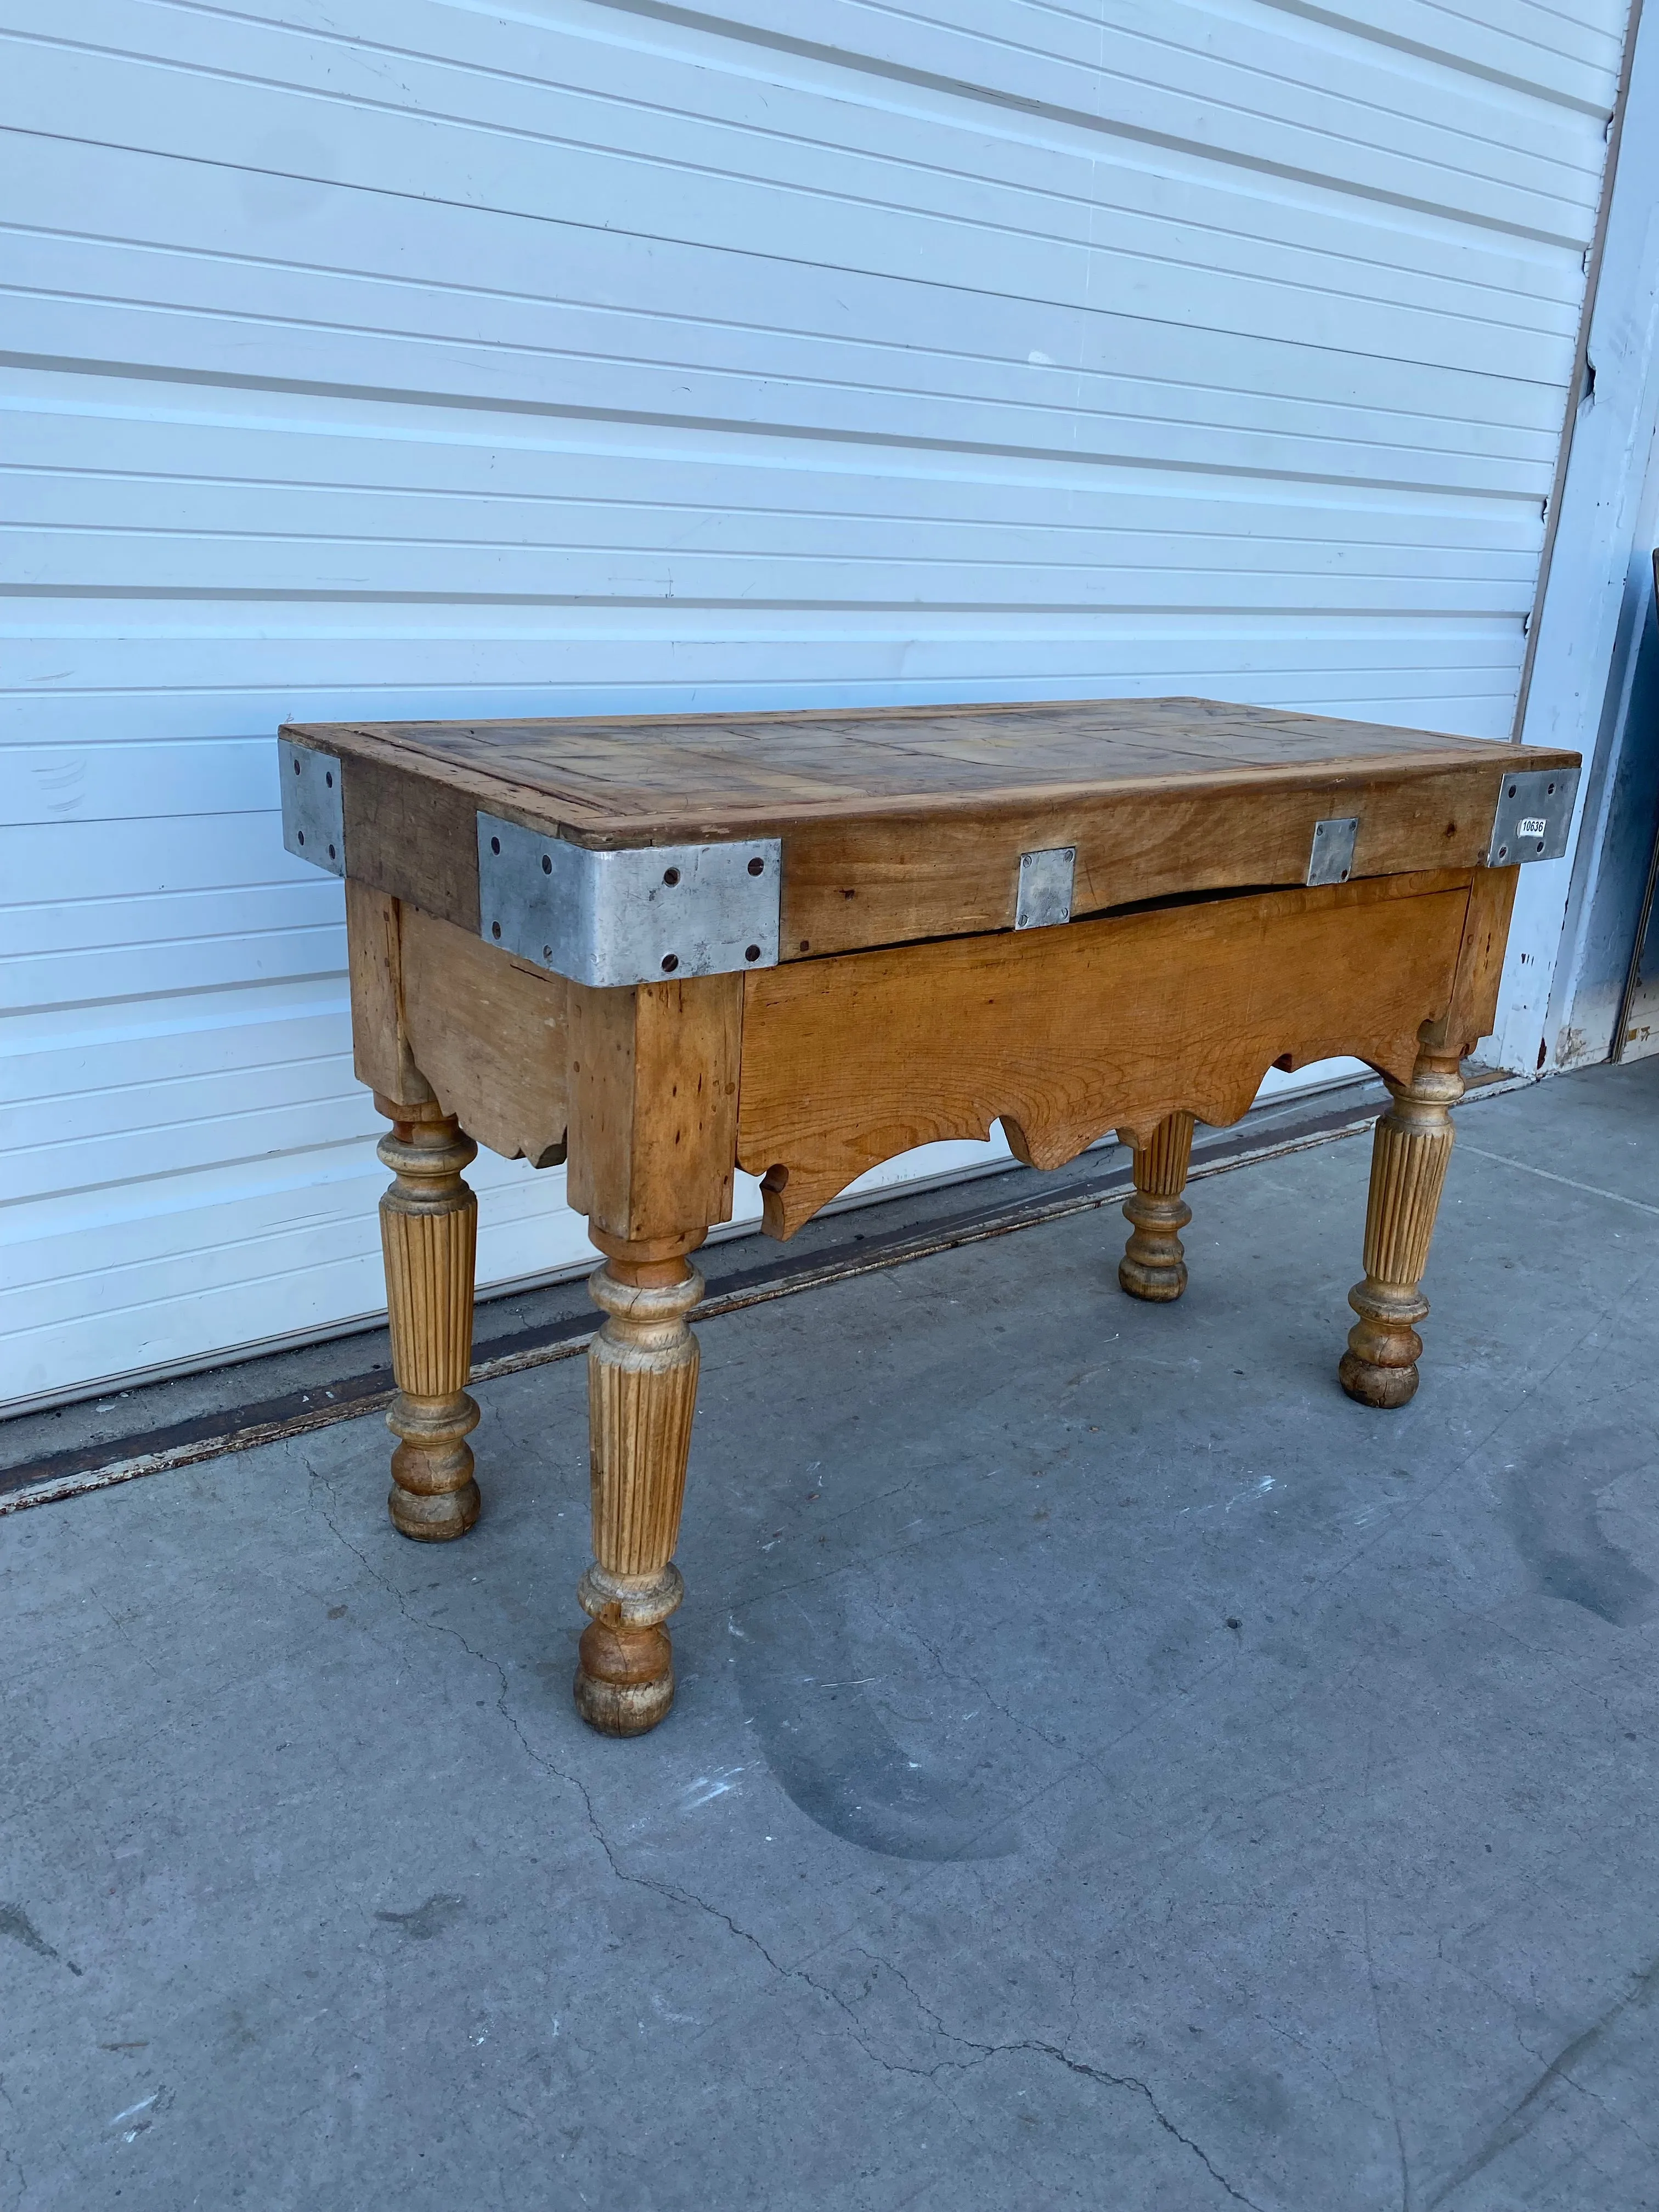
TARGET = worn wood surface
(653,1087)
(1472,1008)
(1410,1153)
(381,1050)
(1154,1262)
(1063,1034)
(413,834)
(428,1237)
(900,823)
(901,832)
(847,885)
(642,1395)
(653,1103)
(491,1035)
(644,780)
(436,1013)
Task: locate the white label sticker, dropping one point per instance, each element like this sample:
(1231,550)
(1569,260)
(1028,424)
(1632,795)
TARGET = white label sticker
(1533,826)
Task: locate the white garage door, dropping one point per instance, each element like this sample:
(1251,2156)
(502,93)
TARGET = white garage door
(416,358)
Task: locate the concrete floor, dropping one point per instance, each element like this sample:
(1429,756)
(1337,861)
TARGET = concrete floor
(1110,1768)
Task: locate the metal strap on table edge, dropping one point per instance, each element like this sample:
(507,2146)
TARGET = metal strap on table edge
(1530,822)
(648,914)
(1330,856)
(1532,816)
(609,921)
(313,804)
(1044,888)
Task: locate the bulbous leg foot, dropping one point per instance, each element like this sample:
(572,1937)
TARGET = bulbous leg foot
(433,1497)
(1153,1266)
(625,1667)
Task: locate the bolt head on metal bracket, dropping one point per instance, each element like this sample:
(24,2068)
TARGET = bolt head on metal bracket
(314,816)
(1330,857)
(1534,813)
(1044,896)
(650,914)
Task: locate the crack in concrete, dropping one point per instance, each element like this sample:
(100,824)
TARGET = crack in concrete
(670,1891)
(1382,2039)
(1133,2081)
(982,2052)
(14,2157)
(908,1627)
(1523,2115)
(1617,2118)
(319,1487)
(120,1629)
(988,2051)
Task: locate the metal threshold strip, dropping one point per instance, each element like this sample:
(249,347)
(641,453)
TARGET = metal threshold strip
(72,1472)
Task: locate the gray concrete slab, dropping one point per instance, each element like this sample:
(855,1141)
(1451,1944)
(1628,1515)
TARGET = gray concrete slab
(1110,1768)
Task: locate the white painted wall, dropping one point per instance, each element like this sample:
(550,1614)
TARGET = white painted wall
(1599,577)
(429,358)
(1621,814)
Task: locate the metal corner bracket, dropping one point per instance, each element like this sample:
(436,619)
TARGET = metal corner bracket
(313,808)
(1533,816)
(648,913)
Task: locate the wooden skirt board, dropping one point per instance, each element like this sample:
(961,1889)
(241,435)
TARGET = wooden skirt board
(1065,1034)
(1106,915)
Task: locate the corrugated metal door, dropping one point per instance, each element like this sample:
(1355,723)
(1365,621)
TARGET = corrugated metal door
(424,358)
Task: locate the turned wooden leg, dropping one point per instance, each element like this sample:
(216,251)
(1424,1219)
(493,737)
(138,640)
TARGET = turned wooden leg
(1409,1154)
(1153,1265)
(641,1393)
(429,1233)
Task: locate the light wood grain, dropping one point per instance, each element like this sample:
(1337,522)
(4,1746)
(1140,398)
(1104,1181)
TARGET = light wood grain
(645,779)
(642,1394)
(490,1034)
(901,823)
(654,1098)
(654,1078)
(437,1014)
(414,835)
(1410,1153)
(901,831)
(1063,1034)
(849,885)
(1472,1008)
(1154,1264)
(428,1234)
(381,1054)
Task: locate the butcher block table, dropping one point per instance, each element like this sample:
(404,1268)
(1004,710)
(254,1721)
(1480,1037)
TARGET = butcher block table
(662,949)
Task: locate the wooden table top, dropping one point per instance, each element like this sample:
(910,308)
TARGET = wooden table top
(897,824)
(661,779)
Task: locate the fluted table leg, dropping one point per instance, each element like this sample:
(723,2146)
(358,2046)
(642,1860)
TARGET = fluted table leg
(641,1394)
(428,1234)
(1409,1155)
(1153,1265)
